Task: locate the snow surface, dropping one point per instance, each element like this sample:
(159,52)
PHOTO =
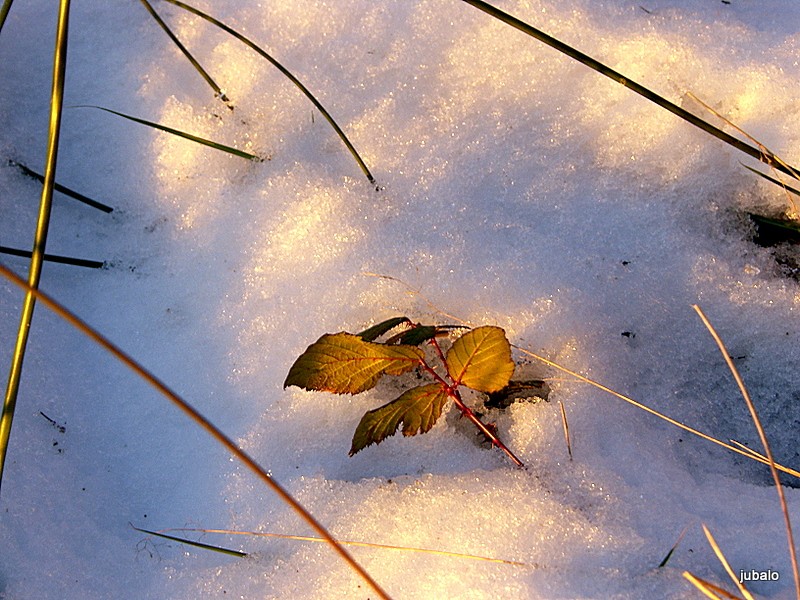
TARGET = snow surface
(519,189)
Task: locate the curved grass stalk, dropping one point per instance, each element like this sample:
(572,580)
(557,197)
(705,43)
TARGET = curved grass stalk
(760,154)
(289,75)
(198,67)
(179,133)
(197,417)
(764,442)
(4,12)
(42,225)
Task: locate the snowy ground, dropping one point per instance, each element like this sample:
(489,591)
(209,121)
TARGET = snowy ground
(520,189)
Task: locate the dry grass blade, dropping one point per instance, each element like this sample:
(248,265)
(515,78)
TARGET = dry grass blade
(40,237)
(708,589)
(771,461)
(198,67)
(198,418)
(724,561)
(303,538)
(179,133)
(289,75)
(628,83)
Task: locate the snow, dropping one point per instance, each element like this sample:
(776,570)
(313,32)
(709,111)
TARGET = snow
(518,188)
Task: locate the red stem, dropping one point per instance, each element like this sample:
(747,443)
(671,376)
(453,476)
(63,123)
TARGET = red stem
(452,391)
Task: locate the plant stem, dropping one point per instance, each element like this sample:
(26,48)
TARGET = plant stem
(452,391)
(467,412)
(40,238)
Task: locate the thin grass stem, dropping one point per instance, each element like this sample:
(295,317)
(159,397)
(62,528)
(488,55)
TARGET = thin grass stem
(40,236)
(596,65)
(198,67)
(198,418)
(787,188)
(764,442)
(303,538)
(708,589)
(726,565)
(289,75)
(61,188)
(64,260)
(179,133)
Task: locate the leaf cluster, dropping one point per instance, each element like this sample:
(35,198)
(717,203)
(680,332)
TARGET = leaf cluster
(346,363)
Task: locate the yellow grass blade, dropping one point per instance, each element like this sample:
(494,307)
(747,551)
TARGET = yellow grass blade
(718,551)
(708,589)
(40,237)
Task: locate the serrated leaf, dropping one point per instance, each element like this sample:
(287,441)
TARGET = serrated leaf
(481,359)
(373,333)
(418,409)
(343,363)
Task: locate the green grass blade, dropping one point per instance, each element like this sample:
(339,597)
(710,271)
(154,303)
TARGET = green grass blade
(198,419)
(4,12)
(203,73)
(759,154)
(183,134)
(289,75)
(788,188)
(64,260)
(192,543)
(61,188)
(40,237)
